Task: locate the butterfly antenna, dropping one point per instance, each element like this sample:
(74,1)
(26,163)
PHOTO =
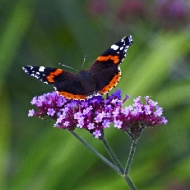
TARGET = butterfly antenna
(67,66)
(84,61)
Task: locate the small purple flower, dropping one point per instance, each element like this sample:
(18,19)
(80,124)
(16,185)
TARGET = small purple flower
(77,115)
(99,117)
(153,103)
(31,113)
(61,117)
(51,111)
(126,97)
(146,98)
(106,123)
(158,111)
(138,108)
(97,133)
(66,123)
(85,111)
(116,112)
(60,102)
(147,109)
(34,100)
(90,126)
(126,110)
(39,103)
(136,101)
(42,99)
(117,94)
(164,120)
(118,124)
(134,112)
(80,122)
(56,125)
(58,114)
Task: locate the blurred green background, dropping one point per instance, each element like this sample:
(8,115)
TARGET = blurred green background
(34,154)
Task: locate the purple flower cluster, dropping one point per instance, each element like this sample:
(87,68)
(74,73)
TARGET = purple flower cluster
(97,113)
(165,13)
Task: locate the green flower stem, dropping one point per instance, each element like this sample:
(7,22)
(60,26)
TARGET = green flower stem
(131,154)
(118,168)
(113,156)
(118,164)
(129,182)
(97,153)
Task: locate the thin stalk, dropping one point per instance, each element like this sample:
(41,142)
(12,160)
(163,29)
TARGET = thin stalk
(97,153)
(129,182)
(113,156)
(131,154)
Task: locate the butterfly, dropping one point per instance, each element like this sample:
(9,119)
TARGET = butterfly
(101,77)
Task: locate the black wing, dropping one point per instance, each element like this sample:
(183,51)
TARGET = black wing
(105,70)
(66,83)
(45,74)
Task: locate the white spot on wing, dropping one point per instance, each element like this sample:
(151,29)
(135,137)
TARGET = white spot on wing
(41,69)
(114,47)
(130,39)
(25,70)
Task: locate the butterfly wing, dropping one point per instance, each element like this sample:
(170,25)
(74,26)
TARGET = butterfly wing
(105,71)
(66,83)
(45,74)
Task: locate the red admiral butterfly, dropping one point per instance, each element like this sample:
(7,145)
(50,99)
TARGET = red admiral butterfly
(102,76)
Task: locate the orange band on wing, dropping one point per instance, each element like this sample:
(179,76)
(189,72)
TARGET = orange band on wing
(51,76)
(72,96)
(112,83)
(114,58)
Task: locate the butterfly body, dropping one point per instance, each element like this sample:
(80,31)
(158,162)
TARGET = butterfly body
(101,77)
